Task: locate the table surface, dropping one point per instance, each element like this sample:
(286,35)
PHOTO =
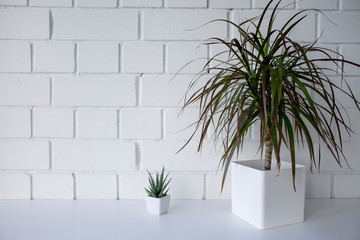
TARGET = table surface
(186,219)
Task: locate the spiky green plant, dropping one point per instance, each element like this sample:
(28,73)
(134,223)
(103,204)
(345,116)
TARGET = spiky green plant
(158,186)
(272,79)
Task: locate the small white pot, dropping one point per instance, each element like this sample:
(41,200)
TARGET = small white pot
(158,205)
(267,199)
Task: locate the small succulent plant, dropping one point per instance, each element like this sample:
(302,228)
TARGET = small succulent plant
(158,187)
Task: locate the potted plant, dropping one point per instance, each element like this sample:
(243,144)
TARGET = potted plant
(158,200)
(270,78)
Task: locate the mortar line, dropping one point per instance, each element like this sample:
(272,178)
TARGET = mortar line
(75,127)
(117,186)
(75,186)
(121,58)
(32,122)
(138,85)
(32,58)
(76,59)
(137,156)
(317,25)
(51,25)
(118,122)
(31,187)
(141,25)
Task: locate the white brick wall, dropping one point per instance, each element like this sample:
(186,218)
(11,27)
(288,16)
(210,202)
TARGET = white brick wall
(93,155)
(96,3)
(96,186)
(140,124)
(54,57)
(95,24)
(12,23)
(94,91)
(51,3)
(53,186)
(15,123)
(20,90)
(15,57)
(98,57)
(143,58)
(97,123)
(88,101)
(14,186)
(53,122)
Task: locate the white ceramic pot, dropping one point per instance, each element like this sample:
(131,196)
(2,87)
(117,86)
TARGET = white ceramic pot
(267,199)
(158,205)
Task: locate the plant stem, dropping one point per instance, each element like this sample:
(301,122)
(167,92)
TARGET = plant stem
(268,151)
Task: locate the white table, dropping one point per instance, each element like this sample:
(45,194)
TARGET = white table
(86,219)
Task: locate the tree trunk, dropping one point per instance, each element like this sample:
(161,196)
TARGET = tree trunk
(268,151)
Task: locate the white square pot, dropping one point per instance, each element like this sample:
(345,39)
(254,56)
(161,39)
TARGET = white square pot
(267,199)
(158,205)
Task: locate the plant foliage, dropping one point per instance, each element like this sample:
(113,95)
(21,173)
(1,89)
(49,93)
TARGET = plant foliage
(158,186)
(270,78)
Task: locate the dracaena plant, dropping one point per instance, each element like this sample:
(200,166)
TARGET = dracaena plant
(272,79)
(158,186)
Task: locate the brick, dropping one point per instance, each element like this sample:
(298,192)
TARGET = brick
(97,123)
(51,3)
(93,155)
(230,3)
(14,186)
(96,3)
(346,186)
(213,186)
(181,125)
(350,4)
(53,122)
(94,91)
(54,57)
(343,31)
(163,90)
(29,155)
(174,24)
(193,55)
(15,56)
(186,186)
(318,185)
(133,125)
(351,53)
(143,58)
(14,122)
(90,24)
(13,2)
(132,186)
(141,3)
(12,23)
(24,90)
(263,3)
(318,4)
(186,3)
(98,57)
(53,186)
(158,154)
(96,186)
